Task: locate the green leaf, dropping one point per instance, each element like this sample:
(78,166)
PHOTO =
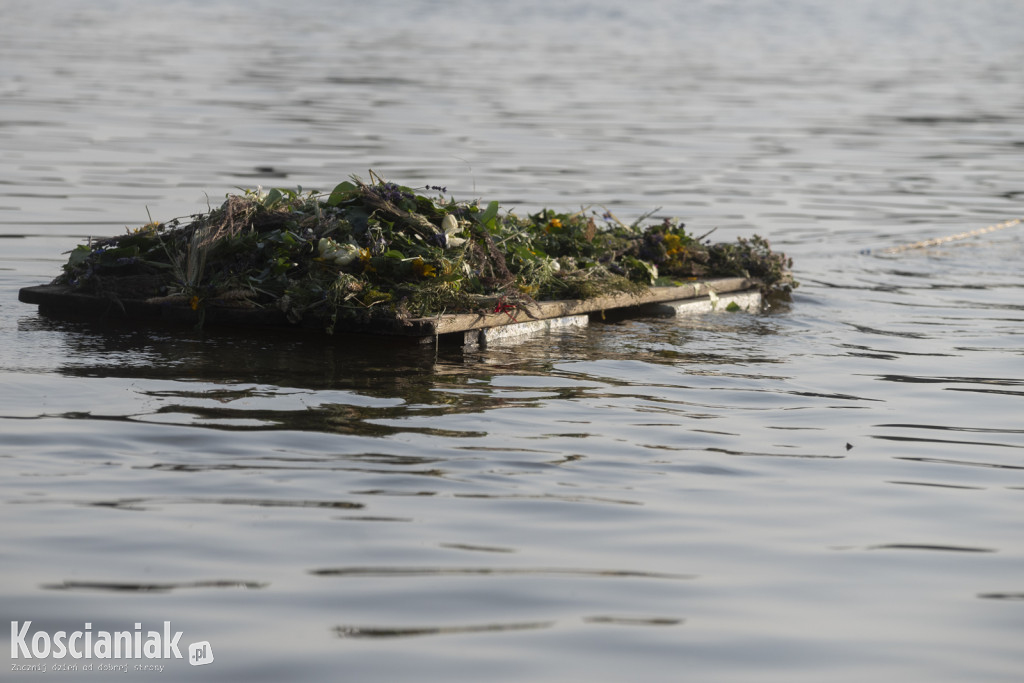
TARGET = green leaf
(394,253)
(526,254)
(732,307)
(341,192)
(273,198)
(79,255)
(489,215)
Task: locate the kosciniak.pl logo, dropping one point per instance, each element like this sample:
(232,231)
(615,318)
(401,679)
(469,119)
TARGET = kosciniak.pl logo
(87,644)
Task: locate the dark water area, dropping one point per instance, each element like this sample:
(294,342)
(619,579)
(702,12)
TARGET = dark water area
(832,490)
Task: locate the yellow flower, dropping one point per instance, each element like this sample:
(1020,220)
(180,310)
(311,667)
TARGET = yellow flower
(553,224)
(194,303)
(422,269)
(529,290)
(364,258)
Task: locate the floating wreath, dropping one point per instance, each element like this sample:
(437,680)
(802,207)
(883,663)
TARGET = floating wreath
(379,249)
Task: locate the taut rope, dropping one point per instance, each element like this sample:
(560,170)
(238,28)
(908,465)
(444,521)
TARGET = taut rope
(923,244)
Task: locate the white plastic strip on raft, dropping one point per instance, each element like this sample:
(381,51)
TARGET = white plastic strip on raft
(748,302)
(518,332)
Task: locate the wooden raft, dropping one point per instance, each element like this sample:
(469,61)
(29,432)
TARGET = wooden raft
(470,328)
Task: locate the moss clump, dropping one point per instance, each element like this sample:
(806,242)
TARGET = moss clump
(382,250)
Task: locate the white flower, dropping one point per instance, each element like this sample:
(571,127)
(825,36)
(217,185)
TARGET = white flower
(341,254)
(347,254)
(451,227)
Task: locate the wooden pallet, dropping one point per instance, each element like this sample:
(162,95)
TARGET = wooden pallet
(470,328)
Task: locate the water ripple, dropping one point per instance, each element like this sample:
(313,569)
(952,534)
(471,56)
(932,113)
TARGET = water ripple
(399,572)
(926,546)
(407,632)
(126,587)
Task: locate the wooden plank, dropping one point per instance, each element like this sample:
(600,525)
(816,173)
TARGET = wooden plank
(543,310)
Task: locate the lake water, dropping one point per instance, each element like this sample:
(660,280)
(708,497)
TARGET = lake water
(829,491)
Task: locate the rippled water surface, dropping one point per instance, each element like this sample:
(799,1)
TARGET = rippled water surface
(829,491)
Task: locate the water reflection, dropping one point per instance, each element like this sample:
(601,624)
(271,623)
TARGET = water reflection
(278,380)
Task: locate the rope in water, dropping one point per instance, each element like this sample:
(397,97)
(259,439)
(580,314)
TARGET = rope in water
(924,244)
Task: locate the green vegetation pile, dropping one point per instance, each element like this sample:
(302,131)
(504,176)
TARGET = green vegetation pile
(381,250)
